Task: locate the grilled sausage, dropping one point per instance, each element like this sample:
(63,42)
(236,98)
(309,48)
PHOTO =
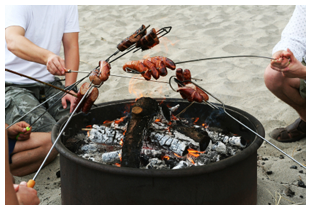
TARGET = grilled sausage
(127,42)
(136,65)
(104,70)
(94,78)
(83,89)
(168,62)
(148,41)
(152,68)
(160,66)
(91,98)
(187,75)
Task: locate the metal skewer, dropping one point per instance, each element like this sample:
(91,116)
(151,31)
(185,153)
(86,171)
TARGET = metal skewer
(23,75)
(224,109)
(234,56)
(60,133)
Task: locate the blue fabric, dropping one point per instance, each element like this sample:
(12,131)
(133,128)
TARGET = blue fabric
(12,143)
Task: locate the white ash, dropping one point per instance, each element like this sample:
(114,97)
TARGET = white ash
(175,145)
(105,135)
(112,157)
(220,147)
(174,108)
(183,137)
(155,163)
(236,141)
(181,164)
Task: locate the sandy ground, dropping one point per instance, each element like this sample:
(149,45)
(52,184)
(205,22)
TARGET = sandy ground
(199,32)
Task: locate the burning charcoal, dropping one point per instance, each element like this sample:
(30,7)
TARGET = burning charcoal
(105,135)
(112,157)
(203,159)
(197,134)
(89,147)
(237,141)
(181,164)
(171,162)
(220,148)
(155,163)
(175,145)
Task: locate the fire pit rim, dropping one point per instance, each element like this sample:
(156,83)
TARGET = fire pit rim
(60,147)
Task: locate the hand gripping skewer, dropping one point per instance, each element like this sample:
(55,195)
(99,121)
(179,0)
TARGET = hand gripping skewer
(224,109)
(31,183)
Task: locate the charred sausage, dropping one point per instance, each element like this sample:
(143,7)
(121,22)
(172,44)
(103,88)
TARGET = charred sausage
(89,101)
(168,62)
(83,89)
(104,70)
(148,41)
(127,42)
(94,78)
(152,68)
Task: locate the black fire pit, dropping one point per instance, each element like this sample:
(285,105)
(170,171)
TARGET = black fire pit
(229,181)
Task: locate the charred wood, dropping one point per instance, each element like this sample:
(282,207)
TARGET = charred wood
(142,114)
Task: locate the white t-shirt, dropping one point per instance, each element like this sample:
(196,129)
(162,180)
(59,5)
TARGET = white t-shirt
(44,26)
(294,34)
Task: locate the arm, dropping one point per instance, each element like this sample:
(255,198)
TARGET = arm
(72,59)
(22,47)
(20,195)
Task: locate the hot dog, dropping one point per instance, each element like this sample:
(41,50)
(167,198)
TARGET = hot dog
(104,70)
(127,42)
(89,101)
(152,68)
(83,89)
(94,78)
(148,41)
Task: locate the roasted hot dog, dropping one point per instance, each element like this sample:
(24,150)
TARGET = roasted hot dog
(94,77)
(104,70)
(127,42)
(91,98)
(83,89)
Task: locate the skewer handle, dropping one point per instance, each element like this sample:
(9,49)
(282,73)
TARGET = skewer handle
(27,129)
(31,183)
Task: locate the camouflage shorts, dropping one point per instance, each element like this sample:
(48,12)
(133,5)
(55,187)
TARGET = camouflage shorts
(20,99)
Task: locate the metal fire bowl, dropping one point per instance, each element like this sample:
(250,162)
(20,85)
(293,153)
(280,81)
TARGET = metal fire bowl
(229,181)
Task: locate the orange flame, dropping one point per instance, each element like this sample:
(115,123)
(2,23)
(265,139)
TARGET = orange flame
(194,153)
(157,120)
(119,120)
(177,155)
(165,157)
(190,159)
(89,126)
(118,164)
(196,120)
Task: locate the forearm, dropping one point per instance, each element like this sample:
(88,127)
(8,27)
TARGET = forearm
(27,50)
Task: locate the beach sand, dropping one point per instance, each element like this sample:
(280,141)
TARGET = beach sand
(198,32)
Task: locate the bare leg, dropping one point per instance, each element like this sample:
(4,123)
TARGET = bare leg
(286,89)
(28,155)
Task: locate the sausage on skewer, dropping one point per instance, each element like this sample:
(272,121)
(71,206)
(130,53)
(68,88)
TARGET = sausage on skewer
(94,78)
(190,91)
(104,70)
(127,42)
(83,89)
(89,101)
(148,41)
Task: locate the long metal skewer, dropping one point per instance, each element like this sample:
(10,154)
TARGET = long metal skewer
(234,56)
(53,86)
(224,109)
(60,133)
(68,88)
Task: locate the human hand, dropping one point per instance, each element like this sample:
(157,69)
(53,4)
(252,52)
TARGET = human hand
(19,129)
(55,65)
(69,98)
(26,195)
(287,64)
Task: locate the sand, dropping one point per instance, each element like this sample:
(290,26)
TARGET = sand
(198,32)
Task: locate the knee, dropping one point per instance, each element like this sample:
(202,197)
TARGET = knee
(273,79)
(46,146)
